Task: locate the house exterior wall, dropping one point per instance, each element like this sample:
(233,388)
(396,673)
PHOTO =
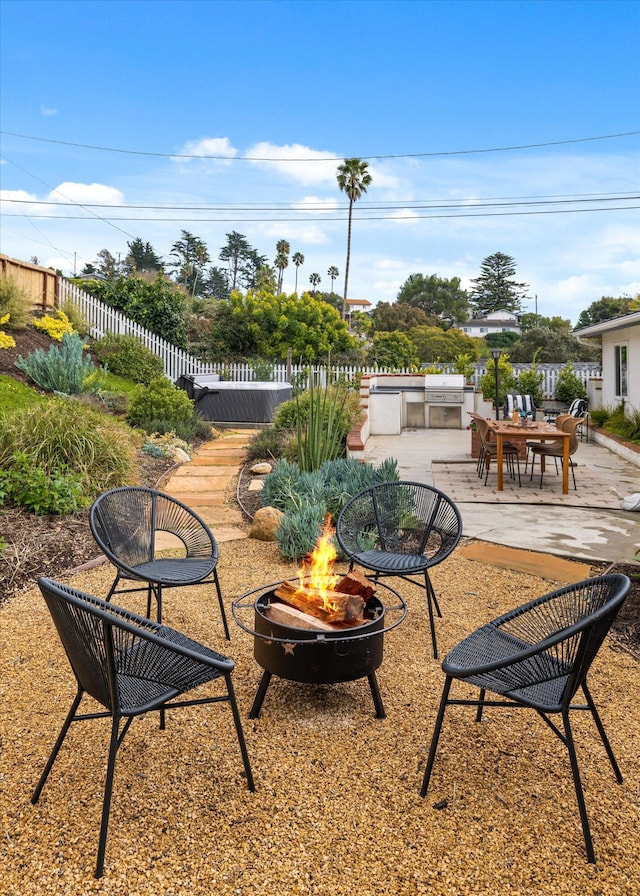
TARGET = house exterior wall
(629,336)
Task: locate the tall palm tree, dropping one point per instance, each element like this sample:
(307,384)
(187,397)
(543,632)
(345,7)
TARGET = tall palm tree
(353,179)
(282,260)
(333,273)
(314,280)
(297,259)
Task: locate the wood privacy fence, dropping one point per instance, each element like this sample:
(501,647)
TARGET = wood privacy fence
(37,282)
(104,319)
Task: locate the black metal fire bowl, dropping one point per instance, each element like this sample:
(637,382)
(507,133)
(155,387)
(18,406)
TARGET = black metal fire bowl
(313,657)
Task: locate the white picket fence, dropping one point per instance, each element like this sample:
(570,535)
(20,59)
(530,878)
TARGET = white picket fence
(103,319)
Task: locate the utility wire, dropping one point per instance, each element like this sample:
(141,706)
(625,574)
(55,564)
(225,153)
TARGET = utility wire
(327,158)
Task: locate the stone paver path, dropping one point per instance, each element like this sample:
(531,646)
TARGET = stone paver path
(206,483)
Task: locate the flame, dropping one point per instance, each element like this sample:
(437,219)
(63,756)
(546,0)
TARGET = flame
(316,573)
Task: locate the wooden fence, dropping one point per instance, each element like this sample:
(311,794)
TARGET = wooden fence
(38,283)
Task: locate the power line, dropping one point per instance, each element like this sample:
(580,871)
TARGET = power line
(327,158)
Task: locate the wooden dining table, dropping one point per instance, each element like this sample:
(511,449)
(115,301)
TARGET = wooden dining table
(540,431)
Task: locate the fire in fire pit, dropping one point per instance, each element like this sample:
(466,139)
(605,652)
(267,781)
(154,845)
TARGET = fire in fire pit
(320,628)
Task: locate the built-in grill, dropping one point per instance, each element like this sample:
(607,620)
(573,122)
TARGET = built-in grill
(431,401)
(313,657)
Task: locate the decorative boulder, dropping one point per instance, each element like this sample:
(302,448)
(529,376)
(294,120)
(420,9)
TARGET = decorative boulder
(261,469)
(265,523)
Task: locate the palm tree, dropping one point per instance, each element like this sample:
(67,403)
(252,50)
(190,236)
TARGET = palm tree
(282,260)
(353,179)
(314,280)
(297,259)
(333,273)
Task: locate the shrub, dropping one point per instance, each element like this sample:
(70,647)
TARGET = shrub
(306,497)
(62,434)
(568,386)
(529,382)
(161,407)
(15,302)
(128,356)
(55,327)
(27,485)
(6,341)
(506,380)
(63,368)
(267,442)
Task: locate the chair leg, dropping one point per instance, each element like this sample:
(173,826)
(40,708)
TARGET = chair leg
(430,605)
(108,790)
(56,748)
(591,857)
(480,705)
(436,736)
(239,732)
(221,605)
(602,733)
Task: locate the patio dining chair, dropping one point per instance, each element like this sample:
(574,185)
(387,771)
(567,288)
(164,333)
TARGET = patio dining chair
(538,657)
(401,529)
(129,523)
(546,450)
(489,450)
(130,666)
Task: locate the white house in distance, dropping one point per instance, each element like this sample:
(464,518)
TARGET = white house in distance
(495,322)
(620,338)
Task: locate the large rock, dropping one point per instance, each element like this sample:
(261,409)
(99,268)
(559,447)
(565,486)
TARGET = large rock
(265,523)
(261,468)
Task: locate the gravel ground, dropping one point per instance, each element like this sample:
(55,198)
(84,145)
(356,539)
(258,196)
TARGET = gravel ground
(337,808)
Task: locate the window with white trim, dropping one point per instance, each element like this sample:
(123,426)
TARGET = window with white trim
(621,370)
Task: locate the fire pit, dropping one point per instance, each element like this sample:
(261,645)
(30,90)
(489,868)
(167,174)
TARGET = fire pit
(320,628)
(326,655)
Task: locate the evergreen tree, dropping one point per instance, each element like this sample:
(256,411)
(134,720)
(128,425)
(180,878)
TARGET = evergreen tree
(495,289)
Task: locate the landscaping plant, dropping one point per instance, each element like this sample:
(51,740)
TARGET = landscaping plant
(64,369)
(162,407)
(63,434)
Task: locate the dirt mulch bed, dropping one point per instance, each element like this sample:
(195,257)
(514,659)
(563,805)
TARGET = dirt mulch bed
(337,808)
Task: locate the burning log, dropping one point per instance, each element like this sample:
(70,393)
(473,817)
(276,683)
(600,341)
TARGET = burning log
(356,583)
(329,605)
(283,614)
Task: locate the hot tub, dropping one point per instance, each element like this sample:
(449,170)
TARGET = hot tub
(241,402)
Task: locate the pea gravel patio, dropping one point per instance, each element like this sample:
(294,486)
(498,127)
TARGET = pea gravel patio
(337,807)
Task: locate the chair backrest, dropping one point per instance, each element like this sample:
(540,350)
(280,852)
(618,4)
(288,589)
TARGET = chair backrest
(521,402)
(578,407)
(571,425)
(483,431)
(568,625)
(402,518)
(84,624)
(124,521)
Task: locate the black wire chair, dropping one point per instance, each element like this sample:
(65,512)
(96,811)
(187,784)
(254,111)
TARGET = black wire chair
(126,522)
(538,656)
(401,529)
(130,665)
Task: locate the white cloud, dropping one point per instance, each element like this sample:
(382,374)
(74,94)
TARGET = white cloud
(212,149)
(86,194)
(300,163)
(316,205)
(46,110)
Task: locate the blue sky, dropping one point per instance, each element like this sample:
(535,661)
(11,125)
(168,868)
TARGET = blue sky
(477,120)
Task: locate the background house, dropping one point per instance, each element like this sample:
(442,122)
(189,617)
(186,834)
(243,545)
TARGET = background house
(620,339)
(496,322)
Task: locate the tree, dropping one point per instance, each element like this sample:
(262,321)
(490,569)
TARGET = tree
(107,265)
(441,300)
(142,257)
(314,280)
(551,347)
(297,259)
(435,344)
(243,261)
(394,351)
(191,257)
(495,289)
(333,273)
(387,317)
(282,260)
(353,179)
(605,308)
